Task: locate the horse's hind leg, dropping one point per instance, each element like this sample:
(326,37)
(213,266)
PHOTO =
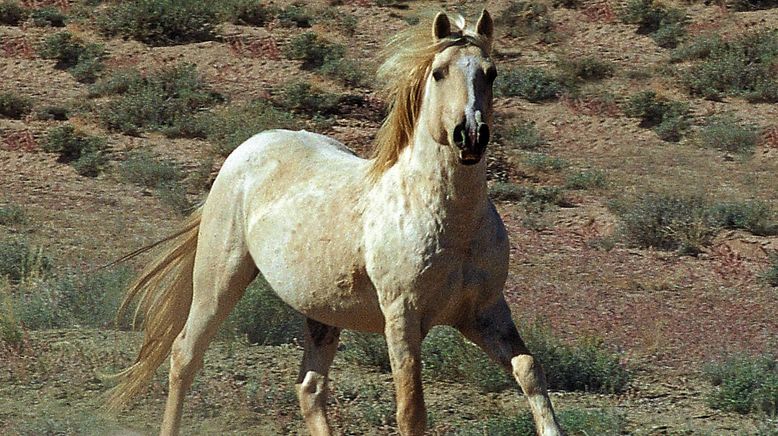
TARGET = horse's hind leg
(223,269)
(321,342)
(494,331)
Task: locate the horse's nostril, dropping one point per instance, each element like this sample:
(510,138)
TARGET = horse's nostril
(483,134)
(459,135)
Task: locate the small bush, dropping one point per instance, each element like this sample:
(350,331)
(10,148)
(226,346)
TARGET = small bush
(527,18)
(729,134)
(163,100)
(741,67)
(543,162)
(505,191)
(585,69)
(573,421)
(665,25)
(162,22)
(669,119)
(119,82)
(586,179)
(229,128)
(144,170)
(11,14)
(11,333)
(250,12)
(752,5)
(302,97)
(296,15)
(533,84)
(19,260)
(745,384)
(85,153)
(313,51)
(698,48)
(52,113)
(12,214)
(48,16)
(770,275)
(14,106)
(263,318)
(345,71)
(523,135)
(368,349)
(83,61)
(666,222)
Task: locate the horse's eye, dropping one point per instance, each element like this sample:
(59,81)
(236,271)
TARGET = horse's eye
(491,74)
(438,74)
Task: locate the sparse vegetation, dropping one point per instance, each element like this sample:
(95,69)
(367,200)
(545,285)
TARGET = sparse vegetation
(163,176)
(527,18)
(741,67)
(575,422)
(163,100)
(506,191)
(727,133)
(524,135)
(14,106)
(84,152)
(544,162)
(745,384)
(19,260)
(12,214)
(296,15)
(669,119)
(250,12)
(48,16)
(584,69)
(83,61)
(533,84)
(302,97)
(324,57)
(770,275)
(586,179)
(11,14)
(665,25)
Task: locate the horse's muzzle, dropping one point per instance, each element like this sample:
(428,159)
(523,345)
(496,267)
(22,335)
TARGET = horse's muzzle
(471,142)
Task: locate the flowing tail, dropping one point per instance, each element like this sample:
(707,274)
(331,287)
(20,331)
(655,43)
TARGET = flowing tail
(164,291)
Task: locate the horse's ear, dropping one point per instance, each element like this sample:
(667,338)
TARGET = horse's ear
(441,27)
(485,25)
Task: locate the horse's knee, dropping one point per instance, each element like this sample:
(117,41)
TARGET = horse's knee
(529,374)
(312,392)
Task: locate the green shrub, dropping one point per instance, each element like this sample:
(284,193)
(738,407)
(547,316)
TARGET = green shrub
(666,222)
(752,5)
(263,318)
(745,384)
(48,16)
(83,61)
(12,214)
(296,15)
(700,47)
(147,171)
(119,82)
(20,260)
(250,12)
(665,25)
(533,84)
(544,162)
(587,365)
(506,191)
(669,119)
(230,127)
(741,67)
(586,179)
(14,106)
(313,51)
(726,133)
(585,69)
(524,135)
(162,22)
(163,100)
(368,349)
(85,153)
(526,18)
(575,421)
(11,14)
(93,300)
(770,275)
(345,71)
(302,97)
(52,113)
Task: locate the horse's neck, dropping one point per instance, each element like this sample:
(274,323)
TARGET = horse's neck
(431,180)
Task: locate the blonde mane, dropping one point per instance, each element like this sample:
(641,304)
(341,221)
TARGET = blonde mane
(407,60)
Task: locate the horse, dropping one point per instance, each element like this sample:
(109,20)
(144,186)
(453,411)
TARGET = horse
(395,244)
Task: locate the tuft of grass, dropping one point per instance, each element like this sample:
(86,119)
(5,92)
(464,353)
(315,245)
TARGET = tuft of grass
(12,214)
(250,12)
(770,275)
(160,101)
(587,365)
(263,318)
(586,179)
(52,113)
(533,84)
(728,134)
(14,106)
(302,97)
(119,82)
(19,260)
(666,222)
(669,119)
(11,14)
(700,47)
(83,61)
(506,191)
(85,153)
(367,349)
(585,69)
(575,421)
(165,177)
(742,67)
(544,162)
(296,15)
(162,22)
(524,135)
(745,384)
(523,18)
(751,5)
(665,25)
(48,16)
(312,50)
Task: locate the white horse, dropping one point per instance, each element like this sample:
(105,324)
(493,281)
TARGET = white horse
(396,244)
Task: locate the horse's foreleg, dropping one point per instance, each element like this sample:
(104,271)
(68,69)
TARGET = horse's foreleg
(403,339)
(321,342)
(494,331)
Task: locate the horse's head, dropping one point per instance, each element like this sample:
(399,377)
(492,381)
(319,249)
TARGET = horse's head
(459,88)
